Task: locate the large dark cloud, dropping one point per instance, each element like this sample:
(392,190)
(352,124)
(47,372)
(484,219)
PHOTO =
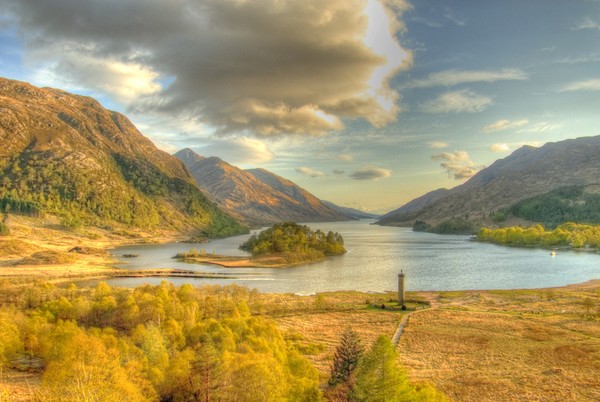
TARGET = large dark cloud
(265,66)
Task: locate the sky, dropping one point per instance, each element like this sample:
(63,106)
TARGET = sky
(365,103)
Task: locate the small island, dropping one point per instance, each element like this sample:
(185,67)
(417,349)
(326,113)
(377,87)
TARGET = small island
(283,245)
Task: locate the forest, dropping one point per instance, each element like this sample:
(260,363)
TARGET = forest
(129,192)
(167,343)
(296,242)
(567,204)
(570,235)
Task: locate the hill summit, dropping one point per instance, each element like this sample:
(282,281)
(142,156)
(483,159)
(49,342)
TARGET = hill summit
(528,172)
(65,154)
(256,196)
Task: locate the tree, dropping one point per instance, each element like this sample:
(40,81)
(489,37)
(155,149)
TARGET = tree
(10,341)
(379,376)
(346,357)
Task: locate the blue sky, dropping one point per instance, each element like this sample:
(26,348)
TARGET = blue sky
(364,103)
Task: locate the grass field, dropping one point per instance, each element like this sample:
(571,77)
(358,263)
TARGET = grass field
(540,345)
(503,345)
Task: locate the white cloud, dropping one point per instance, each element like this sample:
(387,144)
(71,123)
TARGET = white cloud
(237,150)
(371,173)
(587,85)
(504,124)
(457,164)
(455,77)
(345,157)
(306,171)
(500,147)
(437,144)
(463,101)
(509,147)
(265,67)
(456,156)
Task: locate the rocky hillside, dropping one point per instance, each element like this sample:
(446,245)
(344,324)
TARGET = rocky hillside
(526,173)
(257,196)
(66,155)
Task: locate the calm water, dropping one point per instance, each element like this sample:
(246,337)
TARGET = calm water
(376,254)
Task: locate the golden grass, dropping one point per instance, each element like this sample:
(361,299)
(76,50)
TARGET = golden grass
(16,386)
(325,328)
(506,346)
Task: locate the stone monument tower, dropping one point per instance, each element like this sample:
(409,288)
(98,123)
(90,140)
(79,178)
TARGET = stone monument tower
(401,299)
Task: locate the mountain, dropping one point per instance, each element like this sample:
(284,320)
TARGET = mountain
(257,196)
(351,212)
(64,154)
(417,204)
(525,173)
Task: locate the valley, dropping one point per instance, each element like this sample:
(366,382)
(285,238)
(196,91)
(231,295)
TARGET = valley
(93,213)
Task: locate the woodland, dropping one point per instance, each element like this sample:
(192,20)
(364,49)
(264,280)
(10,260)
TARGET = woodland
(167,343)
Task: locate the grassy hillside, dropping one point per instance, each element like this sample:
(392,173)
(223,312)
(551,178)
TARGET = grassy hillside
(66,155)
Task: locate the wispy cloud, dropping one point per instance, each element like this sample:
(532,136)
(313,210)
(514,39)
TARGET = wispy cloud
(457,164)
(345,157)
(437,144)
(588,23)
(371,174)
(455,77)
(306,171)
(504,124)
(540,127)
(585,85)
(463,101)
(447,17)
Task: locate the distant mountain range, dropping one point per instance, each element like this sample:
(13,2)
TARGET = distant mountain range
(526,173)
(64,154)
(258,196)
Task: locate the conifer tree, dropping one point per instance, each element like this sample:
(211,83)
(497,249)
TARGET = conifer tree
(346,357)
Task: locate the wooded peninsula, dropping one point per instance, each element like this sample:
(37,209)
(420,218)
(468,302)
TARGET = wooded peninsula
(567,235)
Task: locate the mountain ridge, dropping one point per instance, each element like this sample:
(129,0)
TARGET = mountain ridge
(525,173)
(257,196)
(91,166)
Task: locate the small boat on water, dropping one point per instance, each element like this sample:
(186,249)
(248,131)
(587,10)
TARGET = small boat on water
(553,253)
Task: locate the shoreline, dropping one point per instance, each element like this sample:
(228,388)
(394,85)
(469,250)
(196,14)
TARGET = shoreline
(57,274)
(226,261)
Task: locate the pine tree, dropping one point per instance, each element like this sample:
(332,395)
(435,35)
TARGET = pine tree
(346,357)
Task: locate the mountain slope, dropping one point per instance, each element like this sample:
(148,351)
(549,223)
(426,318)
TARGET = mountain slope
(256,196)
(525,173)
(65,154)
(417,204)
